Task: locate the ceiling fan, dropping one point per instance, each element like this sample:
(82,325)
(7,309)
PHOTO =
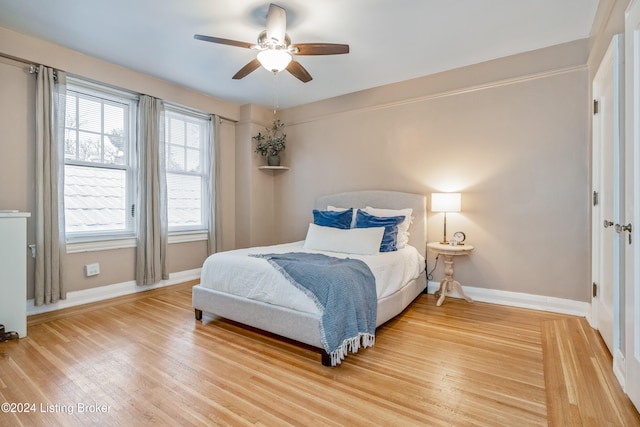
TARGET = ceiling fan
(275,51)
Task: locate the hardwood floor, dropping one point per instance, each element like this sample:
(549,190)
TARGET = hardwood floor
(582,388)
(144,360)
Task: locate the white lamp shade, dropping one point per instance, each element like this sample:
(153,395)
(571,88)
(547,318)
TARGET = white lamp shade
(274,59)
(445,202)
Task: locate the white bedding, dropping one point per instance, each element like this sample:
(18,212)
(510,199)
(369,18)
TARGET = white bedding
(236,273)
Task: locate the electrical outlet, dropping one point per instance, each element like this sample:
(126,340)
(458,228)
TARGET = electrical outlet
(92,269)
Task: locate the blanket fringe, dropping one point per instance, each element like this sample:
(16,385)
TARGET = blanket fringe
(351,345)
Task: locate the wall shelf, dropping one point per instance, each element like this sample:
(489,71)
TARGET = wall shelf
(274,168)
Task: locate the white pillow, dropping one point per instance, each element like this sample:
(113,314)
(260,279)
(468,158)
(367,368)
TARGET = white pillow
(403,227)
(336,209)
(361,241)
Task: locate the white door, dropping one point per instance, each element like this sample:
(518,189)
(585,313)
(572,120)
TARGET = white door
(606,184)
(631,294)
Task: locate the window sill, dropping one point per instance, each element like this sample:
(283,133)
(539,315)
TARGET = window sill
(123,243)
(100,245)
(188,236)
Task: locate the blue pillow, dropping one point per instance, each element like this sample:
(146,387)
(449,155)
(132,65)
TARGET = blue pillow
(390,224)
(333,219)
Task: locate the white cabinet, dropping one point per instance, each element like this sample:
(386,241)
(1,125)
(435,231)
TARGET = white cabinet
(13,271)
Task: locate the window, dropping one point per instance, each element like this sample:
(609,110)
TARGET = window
(99,168)
(187,142)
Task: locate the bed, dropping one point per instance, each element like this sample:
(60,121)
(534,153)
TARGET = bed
(225,288)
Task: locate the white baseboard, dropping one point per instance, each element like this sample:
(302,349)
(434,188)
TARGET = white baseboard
(514,299)
(110,291)
(517,299)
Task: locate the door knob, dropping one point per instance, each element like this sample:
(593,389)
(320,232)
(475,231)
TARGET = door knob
(620,228)
(607,224)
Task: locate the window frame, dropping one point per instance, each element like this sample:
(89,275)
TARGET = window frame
(197,232)
(106,239)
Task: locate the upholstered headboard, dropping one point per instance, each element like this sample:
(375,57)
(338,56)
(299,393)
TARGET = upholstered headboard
(386,200)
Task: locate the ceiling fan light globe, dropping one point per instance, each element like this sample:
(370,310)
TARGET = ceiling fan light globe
(274,60)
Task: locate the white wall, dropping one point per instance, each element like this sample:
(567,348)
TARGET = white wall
(511,135)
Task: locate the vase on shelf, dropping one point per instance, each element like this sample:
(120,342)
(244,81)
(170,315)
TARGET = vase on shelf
(273,160)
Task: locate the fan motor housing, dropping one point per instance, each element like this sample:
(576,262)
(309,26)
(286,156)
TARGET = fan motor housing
(265,43)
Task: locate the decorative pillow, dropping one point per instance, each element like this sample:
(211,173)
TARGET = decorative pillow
(403,227)
(390,224)
(361,241)
(336,209)
(333,219)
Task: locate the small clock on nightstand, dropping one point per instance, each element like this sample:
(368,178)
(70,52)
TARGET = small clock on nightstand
(459,237)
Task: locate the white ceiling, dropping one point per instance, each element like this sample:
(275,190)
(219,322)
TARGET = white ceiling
(390,40)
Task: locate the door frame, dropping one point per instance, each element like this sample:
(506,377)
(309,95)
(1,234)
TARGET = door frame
(613,57)
(631,295)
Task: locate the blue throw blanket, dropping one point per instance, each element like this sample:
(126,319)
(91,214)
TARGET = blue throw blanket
(345,291)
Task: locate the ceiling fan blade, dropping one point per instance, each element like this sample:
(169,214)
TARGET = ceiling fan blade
(321,48)
(276,24)
(247,69)
(299,71)
(223,41)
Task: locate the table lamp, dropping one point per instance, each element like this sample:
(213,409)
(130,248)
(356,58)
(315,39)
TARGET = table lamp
(445,202)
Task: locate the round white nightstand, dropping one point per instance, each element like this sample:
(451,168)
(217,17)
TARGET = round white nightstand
(448,283)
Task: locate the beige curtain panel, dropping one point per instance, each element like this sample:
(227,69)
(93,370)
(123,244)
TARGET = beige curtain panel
(50,237)
(151,251)
(214,236)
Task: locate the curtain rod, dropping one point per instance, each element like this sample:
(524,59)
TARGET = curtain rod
(31,64)
(33,68)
